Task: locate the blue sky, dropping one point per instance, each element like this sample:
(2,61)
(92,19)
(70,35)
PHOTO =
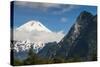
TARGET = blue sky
(56,17)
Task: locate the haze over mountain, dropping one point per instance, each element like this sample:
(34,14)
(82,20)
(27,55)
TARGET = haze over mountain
(34,33)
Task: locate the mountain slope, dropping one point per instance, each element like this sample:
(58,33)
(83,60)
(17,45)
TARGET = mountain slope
(27,34)
(80,43)
(85,46)
(34,33)
(33,25)
(49,51)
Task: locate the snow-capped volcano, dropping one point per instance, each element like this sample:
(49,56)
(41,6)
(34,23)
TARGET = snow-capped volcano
(36,34)
(33,26)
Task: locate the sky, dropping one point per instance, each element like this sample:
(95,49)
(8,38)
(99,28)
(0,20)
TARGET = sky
(56,17)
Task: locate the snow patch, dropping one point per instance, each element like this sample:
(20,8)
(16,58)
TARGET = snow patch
(36,34)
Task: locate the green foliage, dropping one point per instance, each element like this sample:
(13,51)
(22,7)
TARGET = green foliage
(31,57)
(17,62)
(34,59)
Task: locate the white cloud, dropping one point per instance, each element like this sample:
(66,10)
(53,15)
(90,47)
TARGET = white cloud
(37,36)
(63,19)
(37,5)
(61,8)
(64,9)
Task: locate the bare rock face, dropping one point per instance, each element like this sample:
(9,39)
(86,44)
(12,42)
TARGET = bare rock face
(80,42)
